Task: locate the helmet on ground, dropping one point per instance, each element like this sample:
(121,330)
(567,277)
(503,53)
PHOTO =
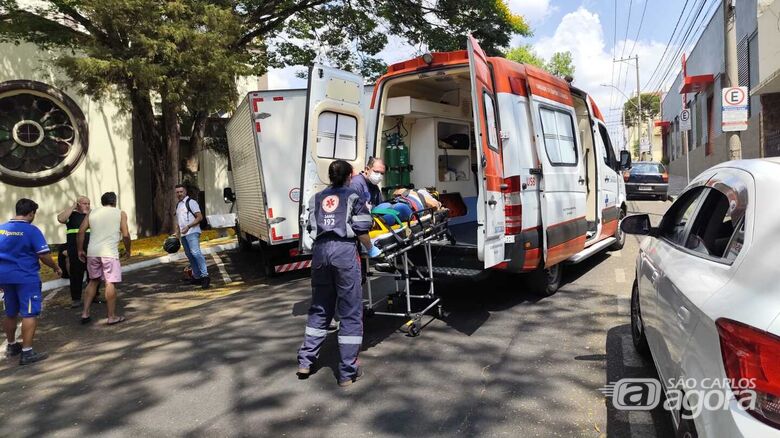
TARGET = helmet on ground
(171,245)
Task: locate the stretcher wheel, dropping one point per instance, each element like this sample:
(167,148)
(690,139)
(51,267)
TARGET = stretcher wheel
(414,329)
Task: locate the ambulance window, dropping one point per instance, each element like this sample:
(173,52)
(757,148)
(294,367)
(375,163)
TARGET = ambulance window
(336,136)
(557,127)
(490,115)
(609,156)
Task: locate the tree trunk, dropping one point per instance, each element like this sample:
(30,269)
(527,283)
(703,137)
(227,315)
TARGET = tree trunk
(169,174)
(157,160)
(197,135)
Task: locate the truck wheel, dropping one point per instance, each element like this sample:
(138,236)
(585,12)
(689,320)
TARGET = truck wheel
(546,281)
(244,245)
(620,236)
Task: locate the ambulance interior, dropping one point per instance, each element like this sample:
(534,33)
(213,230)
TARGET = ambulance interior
(430,114)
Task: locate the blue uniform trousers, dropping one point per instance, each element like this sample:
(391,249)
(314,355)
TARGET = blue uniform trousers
(336,289)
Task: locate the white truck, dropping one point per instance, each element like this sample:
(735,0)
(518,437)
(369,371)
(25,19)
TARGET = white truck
(265,140)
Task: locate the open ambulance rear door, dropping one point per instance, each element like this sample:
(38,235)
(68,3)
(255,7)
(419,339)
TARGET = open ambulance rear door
(490,199)
(562,190)
(334,129)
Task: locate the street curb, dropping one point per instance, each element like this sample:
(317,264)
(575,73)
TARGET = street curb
(62,282)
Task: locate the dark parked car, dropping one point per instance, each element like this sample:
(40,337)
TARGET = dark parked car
(647,179)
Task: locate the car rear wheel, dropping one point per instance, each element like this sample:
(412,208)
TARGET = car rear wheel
(637,325)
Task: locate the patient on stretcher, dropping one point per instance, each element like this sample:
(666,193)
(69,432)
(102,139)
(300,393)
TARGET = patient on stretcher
(413,209)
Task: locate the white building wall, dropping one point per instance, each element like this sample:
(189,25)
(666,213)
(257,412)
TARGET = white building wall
(108,165)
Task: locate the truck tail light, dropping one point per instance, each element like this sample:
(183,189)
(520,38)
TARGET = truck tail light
(513,208)
(752,354)
(665,177)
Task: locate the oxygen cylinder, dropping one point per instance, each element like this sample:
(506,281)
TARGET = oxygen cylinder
(391,161)
(403,165)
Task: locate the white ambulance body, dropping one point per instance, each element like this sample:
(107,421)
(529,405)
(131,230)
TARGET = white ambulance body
(539,179)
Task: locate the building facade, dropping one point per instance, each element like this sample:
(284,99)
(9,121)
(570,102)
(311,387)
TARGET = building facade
(56,144)
(705,77)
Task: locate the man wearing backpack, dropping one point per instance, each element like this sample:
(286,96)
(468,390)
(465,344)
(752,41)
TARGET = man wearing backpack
(188,216)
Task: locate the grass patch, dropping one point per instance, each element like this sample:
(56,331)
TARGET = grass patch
(147,248)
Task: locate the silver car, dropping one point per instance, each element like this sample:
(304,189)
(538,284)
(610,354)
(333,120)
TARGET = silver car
(705,304)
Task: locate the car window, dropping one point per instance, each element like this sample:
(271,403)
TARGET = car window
(714,225)
(609,157)
(648,168)
(735,245)
(675,221)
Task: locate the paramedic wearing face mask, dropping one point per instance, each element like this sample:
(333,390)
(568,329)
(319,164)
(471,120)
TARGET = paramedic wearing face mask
(337,220)
(367,182)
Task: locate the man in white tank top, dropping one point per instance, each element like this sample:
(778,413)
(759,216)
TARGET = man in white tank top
(107,226)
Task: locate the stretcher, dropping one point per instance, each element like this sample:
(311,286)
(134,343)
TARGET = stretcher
(396,240)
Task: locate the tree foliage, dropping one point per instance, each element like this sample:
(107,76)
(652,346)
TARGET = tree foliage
(525,54)
(560,63)
(651,107)
(191,52)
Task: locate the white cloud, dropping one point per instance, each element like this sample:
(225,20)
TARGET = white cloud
(535,11)
(581,33)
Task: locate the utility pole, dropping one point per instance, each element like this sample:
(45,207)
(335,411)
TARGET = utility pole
(732,70)
(635,58)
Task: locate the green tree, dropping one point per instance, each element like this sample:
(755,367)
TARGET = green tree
(525,54)
(560,64)
(651,107)
(190,52)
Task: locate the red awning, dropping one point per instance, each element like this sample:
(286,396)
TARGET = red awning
(696,84)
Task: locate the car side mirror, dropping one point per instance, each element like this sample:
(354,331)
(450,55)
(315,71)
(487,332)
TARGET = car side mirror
(228,195)
(637,224)
(625,160)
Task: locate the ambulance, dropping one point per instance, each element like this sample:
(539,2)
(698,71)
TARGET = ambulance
(521,156)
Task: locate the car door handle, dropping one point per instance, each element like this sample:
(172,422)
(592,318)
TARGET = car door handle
(581,181)
(492,202)
(654,277)
(606,179)
(683,314)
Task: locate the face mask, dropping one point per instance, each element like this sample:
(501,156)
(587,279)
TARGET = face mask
(375,178)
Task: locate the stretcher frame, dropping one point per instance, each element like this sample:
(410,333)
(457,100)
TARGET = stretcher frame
(405,271)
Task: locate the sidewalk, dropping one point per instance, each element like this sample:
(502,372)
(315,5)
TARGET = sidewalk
(209,247)
(677,184)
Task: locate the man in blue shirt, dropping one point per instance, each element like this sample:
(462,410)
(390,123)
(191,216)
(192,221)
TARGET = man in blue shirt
(22,245)
(366,184)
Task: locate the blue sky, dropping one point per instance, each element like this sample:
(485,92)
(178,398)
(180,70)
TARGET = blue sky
(588,29)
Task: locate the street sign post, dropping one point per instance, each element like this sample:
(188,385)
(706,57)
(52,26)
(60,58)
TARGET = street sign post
(685,120)
(734,116)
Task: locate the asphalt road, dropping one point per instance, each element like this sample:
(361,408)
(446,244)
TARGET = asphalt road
(222,362)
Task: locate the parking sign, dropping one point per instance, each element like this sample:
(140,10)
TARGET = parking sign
(685,120)
(734,116)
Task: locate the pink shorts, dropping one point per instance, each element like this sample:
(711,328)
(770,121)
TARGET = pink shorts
(104,268)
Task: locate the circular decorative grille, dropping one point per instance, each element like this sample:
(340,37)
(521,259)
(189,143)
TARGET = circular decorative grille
(43,134)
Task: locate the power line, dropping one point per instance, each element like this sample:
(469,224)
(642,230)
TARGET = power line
(682,11)
(614,43)
(623,48)
(639,29)
(688,39)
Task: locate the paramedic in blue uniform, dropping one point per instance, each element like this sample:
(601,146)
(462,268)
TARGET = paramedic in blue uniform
(337,219)
(366,183)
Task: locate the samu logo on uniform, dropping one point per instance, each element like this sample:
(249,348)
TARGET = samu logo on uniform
(330,203)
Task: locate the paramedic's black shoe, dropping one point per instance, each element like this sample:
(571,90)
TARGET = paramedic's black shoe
(358,376)
(205,282)
(13,349)
(196,281)
(31,356)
